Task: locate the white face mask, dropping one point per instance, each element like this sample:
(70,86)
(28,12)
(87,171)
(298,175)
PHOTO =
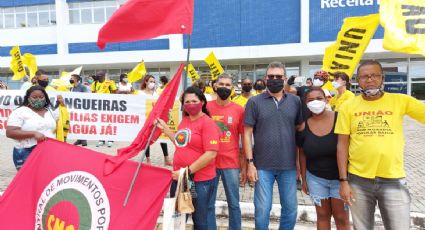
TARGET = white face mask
(336,84)
(125,80)
(317,82)
(151,85)
(316,106)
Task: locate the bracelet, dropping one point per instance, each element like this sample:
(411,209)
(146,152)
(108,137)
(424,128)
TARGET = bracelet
(250,160)
(343,179)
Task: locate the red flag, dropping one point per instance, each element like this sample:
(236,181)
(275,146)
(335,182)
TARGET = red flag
(146,19)
(160,110)
(64,186)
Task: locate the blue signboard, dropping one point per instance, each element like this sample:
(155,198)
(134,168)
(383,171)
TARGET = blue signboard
(224,23)
(327,16)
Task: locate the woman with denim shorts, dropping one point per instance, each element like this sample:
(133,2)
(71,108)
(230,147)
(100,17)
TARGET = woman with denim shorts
(318,144)
(32,122)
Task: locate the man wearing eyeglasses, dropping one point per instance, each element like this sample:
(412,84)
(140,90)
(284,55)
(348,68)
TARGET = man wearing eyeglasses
(272,117)
(229,118)
(371,143)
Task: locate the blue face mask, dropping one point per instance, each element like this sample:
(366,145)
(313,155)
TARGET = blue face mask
(90,81)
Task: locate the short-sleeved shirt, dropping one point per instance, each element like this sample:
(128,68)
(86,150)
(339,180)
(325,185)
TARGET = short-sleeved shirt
(229,119)
(376,133)
(79,88)
(337,102)
(240,100)
(28,120)
(274,130)
(105,87)
(320,152)
(192,140)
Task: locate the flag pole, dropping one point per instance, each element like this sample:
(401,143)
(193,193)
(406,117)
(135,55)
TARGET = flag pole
(138,167)
(189,42)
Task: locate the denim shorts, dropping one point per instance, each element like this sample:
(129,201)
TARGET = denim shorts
(21,155)
(320,188)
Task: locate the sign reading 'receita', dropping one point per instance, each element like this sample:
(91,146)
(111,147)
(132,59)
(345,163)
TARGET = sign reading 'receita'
(73,200)
(327,16)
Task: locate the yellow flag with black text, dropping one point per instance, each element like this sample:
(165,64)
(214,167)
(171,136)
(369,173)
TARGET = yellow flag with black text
(30,62)
(194,76)
(16,65)
(351,42)
(137,73)
(215,66)
(404,24)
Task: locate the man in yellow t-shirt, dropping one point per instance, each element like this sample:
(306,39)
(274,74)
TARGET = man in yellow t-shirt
(104,86)
(245,93)
(371,143)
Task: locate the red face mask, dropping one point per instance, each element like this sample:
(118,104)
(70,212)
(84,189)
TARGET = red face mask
(192,109)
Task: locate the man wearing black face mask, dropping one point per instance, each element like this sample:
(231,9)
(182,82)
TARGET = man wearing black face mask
(76,84)
(43,80)
(245,94)
(272,118)
(230,166)
(259,86)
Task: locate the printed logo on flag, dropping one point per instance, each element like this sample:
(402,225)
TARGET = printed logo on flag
(73,200)
(182,137)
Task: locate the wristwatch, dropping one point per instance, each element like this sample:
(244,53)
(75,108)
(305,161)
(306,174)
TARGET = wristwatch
(343,179)
(250,160)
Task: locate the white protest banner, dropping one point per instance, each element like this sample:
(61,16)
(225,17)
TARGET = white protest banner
(116,117)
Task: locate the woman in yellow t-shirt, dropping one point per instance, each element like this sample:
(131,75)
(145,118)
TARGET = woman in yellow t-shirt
(341,84)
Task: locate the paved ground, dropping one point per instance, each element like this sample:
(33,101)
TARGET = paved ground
(414,164)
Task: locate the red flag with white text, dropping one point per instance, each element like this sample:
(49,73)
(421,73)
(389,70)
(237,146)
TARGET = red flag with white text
(62,186)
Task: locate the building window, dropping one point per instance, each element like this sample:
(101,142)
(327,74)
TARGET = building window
(27,16)
(91,12)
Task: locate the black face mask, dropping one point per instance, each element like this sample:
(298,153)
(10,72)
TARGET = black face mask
(223,93)
(275,85)
(247,88)
(71,81)
(43,83)
(259,87)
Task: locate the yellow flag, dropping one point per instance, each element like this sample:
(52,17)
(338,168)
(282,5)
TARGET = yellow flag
(16,65)
(404,23)
(194,76)
(31,63)
(137,73)
(214,65)
(351,42)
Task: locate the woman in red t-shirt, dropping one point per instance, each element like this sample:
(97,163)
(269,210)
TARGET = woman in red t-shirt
(196,142)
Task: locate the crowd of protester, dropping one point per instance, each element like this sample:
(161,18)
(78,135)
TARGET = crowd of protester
(347,150)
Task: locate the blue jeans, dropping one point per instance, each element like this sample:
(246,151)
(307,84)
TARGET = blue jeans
(204,192)
(263,197)
(21,155)
(392,197)
(230,178)
(204,195)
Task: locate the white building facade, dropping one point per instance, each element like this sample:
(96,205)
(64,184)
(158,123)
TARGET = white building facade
(244,35)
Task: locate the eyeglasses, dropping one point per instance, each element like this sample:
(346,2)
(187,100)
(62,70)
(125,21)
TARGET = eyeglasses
(247,84)
(372,76)
(271,77)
